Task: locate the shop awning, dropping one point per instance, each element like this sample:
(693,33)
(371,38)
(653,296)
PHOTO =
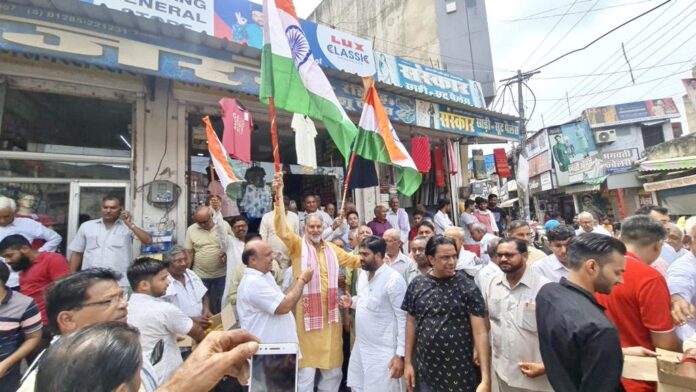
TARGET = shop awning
(508,203)
(623,180)
(595,181)
(669,184)
(688,162)
(581,188)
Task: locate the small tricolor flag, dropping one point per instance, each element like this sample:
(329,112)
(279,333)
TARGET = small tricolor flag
(377,141)
(292,77)
(221,160)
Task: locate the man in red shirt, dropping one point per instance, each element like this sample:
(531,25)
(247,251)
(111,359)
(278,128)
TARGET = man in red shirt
(37,270)
(640,308)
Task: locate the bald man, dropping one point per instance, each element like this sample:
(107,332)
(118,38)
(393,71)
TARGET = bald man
(395,258)
(204,245)
(466,258)
(588,224)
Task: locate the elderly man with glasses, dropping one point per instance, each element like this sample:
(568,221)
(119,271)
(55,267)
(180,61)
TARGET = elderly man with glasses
(186,290)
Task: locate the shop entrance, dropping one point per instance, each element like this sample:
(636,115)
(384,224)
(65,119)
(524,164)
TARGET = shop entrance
(62,205)
(86,200)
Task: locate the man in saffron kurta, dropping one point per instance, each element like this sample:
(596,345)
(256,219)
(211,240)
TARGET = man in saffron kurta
(321,347)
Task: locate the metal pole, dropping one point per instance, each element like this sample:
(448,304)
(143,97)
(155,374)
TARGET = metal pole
(523,137)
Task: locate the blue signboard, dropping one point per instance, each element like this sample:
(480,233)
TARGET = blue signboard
(439,84)
(473,124)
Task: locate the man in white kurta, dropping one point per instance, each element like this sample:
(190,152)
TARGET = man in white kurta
(376,362)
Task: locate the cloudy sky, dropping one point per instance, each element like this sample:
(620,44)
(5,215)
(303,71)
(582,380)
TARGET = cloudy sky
(661,48)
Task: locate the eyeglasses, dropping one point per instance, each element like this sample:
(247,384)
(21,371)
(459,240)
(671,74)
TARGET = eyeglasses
(113,301)
(507,255)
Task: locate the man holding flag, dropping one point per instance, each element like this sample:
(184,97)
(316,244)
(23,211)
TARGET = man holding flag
(319,329)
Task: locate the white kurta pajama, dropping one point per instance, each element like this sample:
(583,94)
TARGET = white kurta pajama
(380,331)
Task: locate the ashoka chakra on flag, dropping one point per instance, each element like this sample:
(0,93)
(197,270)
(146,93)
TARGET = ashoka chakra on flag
(298,45)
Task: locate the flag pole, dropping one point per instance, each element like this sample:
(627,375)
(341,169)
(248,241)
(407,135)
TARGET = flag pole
(345,186)
(274,133)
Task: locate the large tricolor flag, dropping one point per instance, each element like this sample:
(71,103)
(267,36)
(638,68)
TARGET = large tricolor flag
(377,141)
(293,78)
(221,160)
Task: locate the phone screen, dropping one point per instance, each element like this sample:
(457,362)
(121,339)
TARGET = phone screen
(273,373)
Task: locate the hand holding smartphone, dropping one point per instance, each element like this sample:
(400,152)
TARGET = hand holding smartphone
(274,368)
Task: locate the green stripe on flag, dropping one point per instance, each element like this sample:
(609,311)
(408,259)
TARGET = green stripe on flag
(281,80)
(370,145)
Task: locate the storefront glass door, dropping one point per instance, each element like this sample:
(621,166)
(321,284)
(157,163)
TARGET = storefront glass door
(85,201)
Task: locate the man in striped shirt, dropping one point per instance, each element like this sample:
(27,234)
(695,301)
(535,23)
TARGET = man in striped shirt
(20,331)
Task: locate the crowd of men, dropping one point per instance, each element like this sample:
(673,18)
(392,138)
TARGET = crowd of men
(392,303)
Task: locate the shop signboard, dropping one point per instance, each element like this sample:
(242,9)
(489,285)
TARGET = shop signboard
(619,161)
(570,143)
(473,124)
(540,183)
(489,163)
(197,15)
(437,83)
(539,164)
(537,143)
(502,167)
(631,112)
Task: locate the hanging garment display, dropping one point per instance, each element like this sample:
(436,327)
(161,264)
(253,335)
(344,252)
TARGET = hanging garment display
(236,138)
(305,133)
(420,152)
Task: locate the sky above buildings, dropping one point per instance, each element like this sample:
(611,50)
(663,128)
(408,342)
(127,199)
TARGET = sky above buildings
(660,47)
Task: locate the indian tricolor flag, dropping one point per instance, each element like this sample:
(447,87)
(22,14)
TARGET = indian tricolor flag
(291,76)
(377,141)
(221,160)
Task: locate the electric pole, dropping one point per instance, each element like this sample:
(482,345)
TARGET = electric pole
(522,192)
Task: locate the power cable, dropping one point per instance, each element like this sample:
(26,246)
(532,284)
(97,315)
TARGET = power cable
(585,101)
(601,36)
(531,54)
(567,32)
(604,65)
(559,109)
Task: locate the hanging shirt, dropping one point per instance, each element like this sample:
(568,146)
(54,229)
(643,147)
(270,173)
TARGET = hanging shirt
(236,137)
(305,132)
(256,201)
(451,159)
(420,153)
(439,167)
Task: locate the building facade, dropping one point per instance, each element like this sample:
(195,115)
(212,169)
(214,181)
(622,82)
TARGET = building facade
(97,101)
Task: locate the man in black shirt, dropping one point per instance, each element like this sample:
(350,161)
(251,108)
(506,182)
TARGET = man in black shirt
(580,347)
(499,213)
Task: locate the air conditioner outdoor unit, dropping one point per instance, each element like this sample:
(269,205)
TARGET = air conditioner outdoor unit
(605,136)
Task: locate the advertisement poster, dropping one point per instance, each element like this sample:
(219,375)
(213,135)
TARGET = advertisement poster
(595,205)
(338,50)
(387,71)
(479,164)
(540,183)
(619,161)
(427,114)
(569,144)
(537,143)
(539,164)
(631,112)
(585,169)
